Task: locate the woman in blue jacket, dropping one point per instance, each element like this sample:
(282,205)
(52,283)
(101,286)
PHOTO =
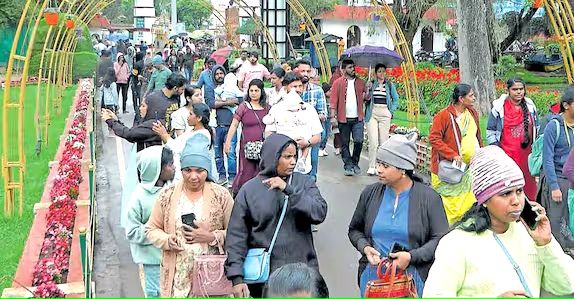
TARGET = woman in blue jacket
(381,104)
(553,188)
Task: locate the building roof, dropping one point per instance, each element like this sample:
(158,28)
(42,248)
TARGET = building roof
(363,13)
(99,21)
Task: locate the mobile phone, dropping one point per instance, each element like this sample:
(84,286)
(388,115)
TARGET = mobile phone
(397,247)
(529,216)
(156,117)
(188,219)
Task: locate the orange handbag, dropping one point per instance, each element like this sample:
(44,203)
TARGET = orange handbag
(393,283)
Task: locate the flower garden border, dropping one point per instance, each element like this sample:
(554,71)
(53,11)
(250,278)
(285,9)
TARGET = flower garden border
(78,282)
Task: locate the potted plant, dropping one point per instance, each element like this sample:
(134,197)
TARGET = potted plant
(51,15)
(70,24)
(537,3)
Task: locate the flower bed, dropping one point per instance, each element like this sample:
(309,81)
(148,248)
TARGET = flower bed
(52,248)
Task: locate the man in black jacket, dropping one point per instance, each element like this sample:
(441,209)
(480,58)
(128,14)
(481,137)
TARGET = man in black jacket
(257,210)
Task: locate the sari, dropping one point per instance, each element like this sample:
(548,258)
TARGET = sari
(458,198)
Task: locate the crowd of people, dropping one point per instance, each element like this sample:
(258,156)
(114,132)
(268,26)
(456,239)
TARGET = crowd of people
(226,173)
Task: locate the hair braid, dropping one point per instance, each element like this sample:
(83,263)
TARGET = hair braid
(526,122)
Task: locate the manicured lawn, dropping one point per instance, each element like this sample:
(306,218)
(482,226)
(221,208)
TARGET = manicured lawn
(536,78)
(14,231)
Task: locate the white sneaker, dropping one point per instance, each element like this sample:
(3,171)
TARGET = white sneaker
(337,151)
(372,171)
(323,153)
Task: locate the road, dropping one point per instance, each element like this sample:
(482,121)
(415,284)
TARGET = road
(117,276)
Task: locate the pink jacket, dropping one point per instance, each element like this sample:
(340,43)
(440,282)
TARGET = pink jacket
(122,71)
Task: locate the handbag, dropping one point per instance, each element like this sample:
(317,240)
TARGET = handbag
(257,267)
(515,266)
(394,283)
(208,278)
(447,172)
(252,149)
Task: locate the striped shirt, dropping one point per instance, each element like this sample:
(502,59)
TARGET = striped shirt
(380,94)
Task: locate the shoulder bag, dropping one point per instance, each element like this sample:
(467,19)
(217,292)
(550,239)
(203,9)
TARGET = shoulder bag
(515,266)
(447,172)
(252,149)
(393,283)
(257,266)
(208,276)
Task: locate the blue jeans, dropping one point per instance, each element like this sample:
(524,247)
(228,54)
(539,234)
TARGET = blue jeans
(151,280)
(314,161)
(188,73)
(325,134)
(220,136)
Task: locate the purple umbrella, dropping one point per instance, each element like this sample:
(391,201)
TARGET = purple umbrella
(367,56)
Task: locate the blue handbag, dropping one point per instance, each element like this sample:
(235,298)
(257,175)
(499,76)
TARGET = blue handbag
(256,266)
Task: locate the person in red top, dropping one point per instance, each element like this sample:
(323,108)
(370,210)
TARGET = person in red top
(512,125)
(348,94)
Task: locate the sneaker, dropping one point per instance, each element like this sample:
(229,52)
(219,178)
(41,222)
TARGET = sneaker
(314,228)
(356,169)
(349,172)
(222,181)
(372,171)
(323,153)
(230,183)
(337,151)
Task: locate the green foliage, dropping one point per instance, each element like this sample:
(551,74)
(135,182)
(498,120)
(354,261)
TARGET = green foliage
(194,14)
(10,12)
(314,8)
(543,100)
(505,68)
(84,64)
(248,27)
(120,11)
(425,65)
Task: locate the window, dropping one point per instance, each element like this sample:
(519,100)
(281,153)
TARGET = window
(140,22)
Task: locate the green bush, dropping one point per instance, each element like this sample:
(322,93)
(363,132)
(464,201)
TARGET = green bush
(84,65)
(505,68)
(543,100)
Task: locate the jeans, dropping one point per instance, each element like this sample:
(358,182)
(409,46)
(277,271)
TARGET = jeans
(188,73)
(314,161)
(151,281)
(325,134)
(357,128)
(136,99)
(220,136)
(124,89)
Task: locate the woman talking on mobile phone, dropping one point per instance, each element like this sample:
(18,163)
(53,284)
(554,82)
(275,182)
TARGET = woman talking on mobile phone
(401,210)
(489,252)
(210,205)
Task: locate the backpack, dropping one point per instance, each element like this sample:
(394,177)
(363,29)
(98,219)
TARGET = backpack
(535,156)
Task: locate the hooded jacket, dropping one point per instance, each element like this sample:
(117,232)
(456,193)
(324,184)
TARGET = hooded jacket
(142,133)
(207,81)
(141,204)
(122,70)
(555,150)
(257,210)
(496,119)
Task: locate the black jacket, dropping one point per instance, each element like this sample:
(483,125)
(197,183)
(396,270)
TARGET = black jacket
(141,134)
(427,224)
(256,212)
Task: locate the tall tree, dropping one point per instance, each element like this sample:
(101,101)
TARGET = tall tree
(409,14)
(10,12)
(520,23)
(193,14)
(120,11)
(475,63)
(314,8)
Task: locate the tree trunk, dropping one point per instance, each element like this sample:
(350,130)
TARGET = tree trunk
(517,30)
(492,42)
(475,58)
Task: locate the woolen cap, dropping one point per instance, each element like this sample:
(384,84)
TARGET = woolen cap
(399,151)
(196,154)
(493,171)
(156,60)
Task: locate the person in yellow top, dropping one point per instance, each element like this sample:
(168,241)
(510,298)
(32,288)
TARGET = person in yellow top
(491,252)
(455,136)
(341,47)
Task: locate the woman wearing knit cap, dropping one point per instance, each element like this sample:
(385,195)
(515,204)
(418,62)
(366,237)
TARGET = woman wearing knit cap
(554,187)
(491,252)
(455,136)
(197,195)
(400,210)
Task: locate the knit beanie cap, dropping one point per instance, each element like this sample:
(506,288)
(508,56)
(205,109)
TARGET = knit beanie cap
(399,151)
(196,154)
(156,60)
(493,171)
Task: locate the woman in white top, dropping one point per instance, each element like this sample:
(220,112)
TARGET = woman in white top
(198,119)
(274,93)
(178,119)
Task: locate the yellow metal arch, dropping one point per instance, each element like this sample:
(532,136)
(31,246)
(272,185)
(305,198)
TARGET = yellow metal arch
(404,49)
(560,14)
(61,51)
